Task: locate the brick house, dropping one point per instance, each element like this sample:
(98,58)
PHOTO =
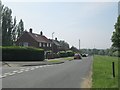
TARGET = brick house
(56,45)
(34,40)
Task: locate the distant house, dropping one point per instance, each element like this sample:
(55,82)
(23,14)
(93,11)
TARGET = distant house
(56,45)
(34,40)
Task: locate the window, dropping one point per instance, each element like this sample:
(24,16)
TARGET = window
(43,44)
(40,44)
(47,44)
(25,44)
(50,44)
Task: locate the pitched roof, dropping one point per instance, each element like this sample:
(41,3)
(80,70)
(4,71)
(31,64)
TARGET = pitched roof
(39,38)
(55,42)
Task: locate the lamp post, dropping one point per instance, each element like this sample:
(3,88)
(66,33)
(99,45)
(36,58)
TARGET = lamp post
(79,45)
(52,43)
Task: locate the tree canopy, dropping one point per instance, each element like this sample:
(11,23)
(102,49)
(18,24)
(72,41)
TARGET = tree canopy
(116,34)
(11,31)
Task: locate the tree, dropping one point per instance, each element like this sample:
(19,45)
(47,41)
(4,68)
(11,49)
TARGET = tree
(11,31)
(7,26)
(1,9)
(20,28)
(14,32)
(116,35)
(64,45)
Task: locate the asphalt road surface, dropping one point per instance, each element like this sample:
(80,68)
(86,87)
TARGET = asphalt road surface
(66,75)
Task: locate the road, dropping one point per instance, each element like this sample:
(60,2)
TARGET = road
(66,75)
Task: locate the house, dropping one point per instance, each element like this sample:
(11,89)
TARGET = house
(34,40)
(56,45)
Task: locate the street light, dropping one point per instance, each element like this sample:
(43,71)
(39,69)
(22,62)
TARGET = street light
(52,43)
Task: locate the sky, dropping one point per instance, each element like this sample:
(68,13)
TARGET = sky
(92,22)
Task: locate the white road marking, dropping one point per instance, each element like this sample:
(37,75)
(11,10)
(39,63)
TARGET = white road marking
(3,76)
(15,71)
(12,73)
(23,69)
(20,72)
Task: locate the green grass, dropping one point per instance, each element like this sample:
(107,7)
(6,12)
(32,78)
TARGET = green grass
(102,72)
(68,58)
(54,61)
(59,60)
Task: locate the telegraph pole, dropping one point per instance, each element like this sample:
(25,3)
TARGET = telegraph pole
(79,45)
(52,44)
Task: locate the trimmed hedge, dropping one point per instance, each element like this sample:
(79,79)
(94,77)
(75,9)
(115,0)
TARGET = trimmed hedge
(70,53)
(62,54)
(15,53)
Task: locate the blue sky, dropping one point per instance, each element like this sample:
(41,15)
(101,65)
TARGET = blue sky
(91,22)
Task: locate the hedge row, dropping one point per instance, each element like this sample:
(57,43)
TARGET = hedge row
(22,54)
(66,53)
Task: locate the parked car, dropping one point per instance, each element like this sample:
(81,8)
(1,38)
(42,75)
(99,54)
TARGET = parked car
(84,55)
(77,56)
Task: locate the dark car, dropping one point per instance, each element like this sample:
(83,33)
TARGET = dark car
(84,55)
(77,56)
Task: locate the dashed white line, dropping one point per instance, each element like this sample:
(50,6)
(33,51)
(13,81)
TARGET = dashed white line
(12,73)
(22,70)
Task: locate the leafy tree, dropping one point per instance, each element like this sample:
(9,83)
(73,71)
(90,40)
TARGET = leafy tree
(14,32)
(1,9)
(64,45)
(7,26)
(11,31)
(116,35)
(20,28)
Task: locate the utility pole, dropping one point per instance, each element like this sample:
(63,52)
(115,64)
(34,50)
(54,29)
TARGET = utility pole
(52,43)
(79,45)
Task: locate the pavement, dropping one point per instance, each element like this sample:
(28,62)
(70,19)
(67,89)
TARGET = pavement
(30,63)
(66,75)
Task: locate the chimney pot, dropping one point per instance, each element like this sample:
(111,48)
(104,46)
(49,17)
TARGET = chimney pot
(30,30)
(56,39)
(41,33)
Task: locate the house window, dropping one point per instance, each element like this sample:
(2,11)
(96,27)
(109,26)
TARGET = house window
(47,44)
(40,44)
(50,44)
(25,44)
(43,44)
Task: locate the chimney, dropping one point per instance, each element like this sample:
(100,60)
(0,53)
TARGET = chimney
(55,39)
(41,33)
(30,30)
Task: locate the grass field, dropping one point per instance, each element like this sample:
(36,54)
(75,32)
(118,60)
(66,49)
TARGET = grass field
(102,72)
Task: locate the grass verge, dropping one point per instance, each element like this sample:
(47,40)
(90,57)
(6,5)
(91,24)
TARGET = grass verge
(55,61)
(61,60)
(102,72)
(69,58)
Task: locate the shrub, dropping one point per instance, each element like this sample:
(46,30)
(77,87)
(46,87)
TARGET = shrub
(62,54)
(70,53)
(15,53)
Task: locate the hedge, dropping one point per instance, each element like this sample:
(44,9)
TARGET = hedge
(15,53)
(70,53)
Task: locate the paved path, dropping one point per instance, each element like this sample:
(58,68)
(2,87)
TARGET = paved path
(67,75)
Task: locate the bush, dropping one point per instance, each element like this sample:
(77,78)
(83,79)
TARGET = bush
(70,53)
(62,54)
(15,53)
